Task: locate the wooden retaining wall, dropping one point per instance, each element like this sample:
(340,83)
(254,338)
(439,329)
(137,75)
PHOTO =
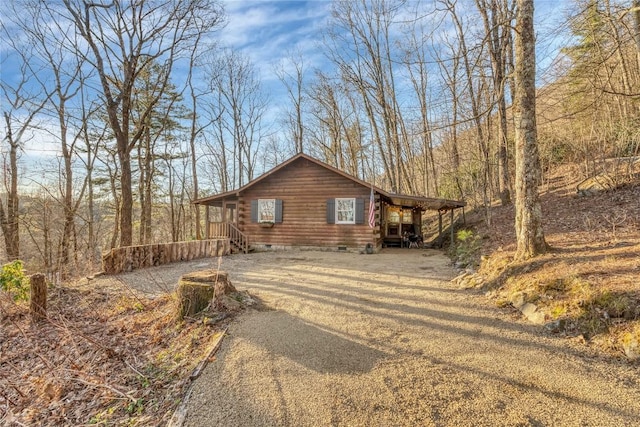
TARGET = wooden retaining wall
(130,258)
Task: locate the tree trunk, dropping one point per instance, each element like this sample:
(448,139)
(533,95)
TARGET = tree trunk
(9,220)
(38,302)
(529,233)
(199,289)
(636,28)
(126,198)
(194,157)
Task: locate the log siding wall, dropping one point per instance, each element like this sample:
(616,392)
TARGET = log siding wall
(304,188)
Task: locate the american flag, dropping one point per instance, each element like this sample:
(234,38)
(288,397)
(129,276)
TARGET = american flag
(372,210)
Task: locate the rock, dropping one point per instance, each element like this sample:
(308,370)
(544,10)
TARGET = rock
(517,300)
(528,309)
(531,312)
(595,184)
(631,347)
(556,326)
(461,279)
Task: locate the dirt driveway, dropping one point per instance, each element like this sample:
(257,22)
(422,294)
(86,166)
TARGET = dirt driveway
(387,340)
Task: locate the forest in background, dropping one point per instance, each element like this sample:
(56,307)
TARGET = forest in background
(149,112)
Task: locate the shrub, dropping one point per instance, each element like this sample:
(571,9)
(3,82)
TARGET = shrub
(14,281)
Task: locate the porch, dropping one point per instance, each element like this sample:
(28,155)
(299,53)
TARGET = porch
(222,223)
(401,219)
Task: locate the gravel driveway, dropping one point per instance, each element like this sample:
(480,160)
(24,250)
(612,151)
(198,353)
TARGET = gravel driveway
(387,340)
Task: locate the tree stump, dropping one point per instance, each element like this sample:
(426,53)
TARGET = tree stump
(38,303)
(196,291)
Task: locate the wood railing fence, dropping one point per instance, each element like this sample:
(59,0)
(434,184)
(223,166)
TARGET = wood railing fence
(130,258)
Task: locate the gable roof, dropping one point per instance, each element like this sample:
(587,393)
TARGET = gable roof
(396,199)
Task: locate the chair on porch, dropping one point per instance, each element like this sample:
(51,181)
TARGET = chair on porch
(411,239)
(415,241)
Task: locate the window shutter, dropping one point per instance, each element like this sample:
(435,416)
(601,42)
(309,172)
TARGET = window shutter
(331,211)
(278,218)
(359,211)
(254,211)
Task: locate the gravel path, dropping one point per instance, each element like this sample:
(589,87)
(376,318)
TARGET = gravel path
(387,340)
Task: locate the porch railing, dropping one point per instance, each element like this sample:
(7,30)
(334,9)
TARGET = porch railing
(227,230)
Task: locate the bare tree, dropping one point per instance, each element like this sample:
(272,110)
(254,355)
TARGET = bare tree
(416,61)
(529,233)
(361,45)
(292,75)
(496,17)
(471,60)
(20,107)
(636,27)
(450,74)
(60,72)
(198,124)
(124,37)
(240,110)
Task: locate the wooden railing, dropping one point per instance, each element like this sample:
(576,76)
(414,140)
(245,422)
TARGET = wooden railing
(218,230)
(229,231)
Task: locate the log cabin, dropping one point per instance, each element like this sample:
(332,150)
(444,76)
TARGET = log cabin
(306,203)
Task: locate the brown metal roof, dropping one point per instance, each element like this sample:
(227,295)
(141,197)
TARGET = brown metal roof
(430,203)
(396,199)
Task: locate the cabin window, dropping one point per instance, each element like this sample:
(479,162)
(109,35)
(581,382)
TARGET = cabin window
(266,210)
(394,216)
(407,216)
(345,211)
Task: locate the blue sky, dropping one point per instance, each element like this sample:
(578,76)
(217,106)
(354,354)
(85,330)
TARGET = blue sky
(268,32)
(271,32)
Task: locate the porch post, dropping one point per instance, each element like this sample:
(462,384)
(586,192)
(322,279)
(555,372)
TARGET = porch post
(206,223)
(452,233)
(440,228)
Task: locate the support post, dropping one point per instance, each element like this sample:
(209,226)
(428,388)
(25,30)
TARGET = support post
(38,303)
(452,232)
(206,223)
(440,239)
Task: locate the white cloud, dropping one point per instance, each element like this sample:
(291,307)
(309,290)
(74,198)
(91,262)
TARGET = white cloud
(266,31)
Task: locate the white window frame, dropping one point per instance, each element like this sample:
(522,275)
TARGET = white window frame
(263,204)
(353,210)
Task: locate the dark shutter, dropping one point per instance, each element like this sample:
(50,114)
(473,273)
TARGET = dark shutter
(331,211)
(254,211)
(278,218)
(359,211)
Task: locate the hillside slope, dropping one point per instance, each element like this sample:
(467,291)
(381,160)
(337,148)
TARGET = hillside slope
(588,285)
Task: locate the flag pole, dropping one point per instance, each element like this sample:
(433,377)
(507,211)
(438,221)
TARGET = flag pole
(372,200)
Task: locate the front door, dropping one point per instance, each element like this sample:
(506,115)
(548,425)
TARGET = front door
(230,213)
(393,221)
